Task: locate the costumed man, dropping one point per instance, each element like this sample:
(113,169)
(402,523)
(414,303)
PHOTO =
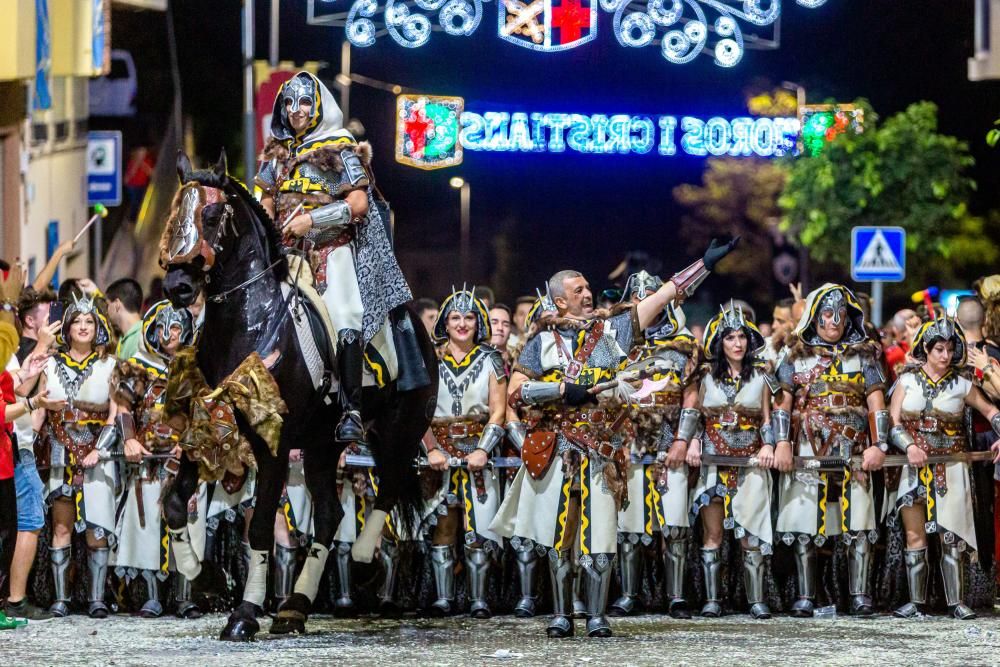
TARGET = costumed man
(833,378)
(316,182)
(928,406)
(658,492)
(556,500)
(82,478)
(467,429)
(735,397)
(152,452)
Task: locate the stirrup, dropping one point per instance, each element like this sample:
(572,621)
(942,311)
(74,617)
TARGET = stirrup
(351,428)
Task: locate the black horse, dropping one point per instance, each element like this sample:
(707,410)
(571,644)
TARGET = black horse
(220,240)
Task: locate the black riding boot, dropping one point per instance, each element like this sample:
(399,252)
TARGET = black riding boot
(350,364)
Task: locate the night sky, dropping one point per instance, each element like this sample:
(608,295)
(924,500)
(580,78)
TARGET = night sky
(584,211)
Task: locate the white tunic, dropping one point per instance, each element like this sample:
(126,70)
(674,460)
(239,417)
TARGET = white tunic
(748,506)
(96,507)
(949,514)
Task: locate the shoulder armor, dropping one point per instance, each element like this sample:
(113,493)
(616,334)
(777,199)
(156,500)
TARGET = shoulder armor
(354,172)
(495,358)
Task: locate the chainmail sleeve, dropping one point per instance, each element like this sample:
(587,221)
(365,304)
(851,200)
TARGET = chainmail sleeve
(530,361)
(871,370)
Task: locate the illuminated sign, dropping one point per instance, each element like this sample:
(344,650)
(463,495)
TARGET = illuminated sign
(432,131)
(680,30)
(821,123)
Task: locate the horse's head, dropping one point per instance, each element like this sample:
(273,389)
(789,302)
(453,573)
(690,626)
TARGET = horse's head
(192,242)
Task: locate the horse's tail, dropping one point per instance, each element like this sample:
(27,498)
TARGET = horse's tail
(400,429)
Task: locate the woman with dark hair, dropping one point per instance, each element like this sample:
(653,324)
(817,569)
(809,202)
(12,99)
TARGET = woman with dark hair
(735,401)
(82,482)
(928,408)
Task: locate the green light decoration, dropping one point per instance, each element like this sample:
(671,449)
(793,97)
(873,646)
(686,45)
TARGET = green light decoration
(445,131)
(822,123)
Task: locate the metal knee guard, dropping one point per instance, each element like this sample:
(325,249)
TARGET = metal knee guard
(527,571)
(597,580)
(152,608)
(60,571)
(859,565)
(916,578)
(477,567)
(753,580)
(443,565)
(711,567)
(630,564)
(342,554)
(284,572)
(951,573)
(805,568)
(675,559)
(561,576)
(97,564)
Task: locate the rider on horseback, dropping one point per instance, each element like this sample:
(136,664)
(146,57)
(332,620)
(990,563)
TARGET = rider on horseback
(316,182)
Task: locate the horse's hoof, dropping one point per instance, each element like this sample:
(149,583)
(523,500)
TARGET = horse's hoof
(289,622)
(242,625)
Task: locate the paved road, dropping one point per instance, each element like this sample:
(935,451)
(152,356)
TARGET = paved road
(646,640)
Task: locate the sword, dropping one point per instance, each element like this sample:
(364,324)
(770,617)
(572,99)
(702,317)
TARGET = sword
(454,462)
(119,454)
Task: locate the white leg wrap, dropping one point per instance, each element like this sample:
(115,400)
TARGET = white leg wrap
(255,589)
(185,559)
(364,547)
(312,570)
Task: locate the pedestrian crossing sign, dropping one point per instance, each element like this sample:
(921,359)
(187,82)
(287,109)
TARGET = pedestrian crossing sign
(878,253)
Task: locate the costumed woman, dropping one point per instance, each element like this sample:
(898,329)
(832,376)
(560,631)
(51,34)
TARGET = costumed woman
(468,427)
(82,483)
(928,405)
(316,182)
(151,453)
(735,399)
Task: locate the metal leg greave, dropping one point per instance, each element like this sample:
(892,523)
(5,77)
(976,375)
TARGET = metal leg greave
(805,568)
(579,603)
(152,607)
(675,560)
(284,573)
(389,555)
(60,574)
(186,608)
(711,567)
(951,574)
(753,580)
(527,573)
(97,564)
(443,565)
(344,604)
(916,578)
(596,575)
(859,565)
(477,568)
(630,564)
(561,577)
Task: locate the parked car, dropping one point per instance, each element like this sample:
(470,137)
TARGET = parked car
(115,94)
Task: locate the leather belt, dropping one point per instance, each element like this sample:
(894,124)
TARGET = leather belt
(659,399)
(835,401)
(733,419)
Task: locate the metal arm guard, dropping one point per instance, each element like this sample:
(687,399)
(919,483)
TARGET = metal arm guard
(687,280)
(126,426)
(687,426)
(767,434)
(995,423)
(516,433)
(901,438)
(329,221)
(492,435)
(108,437)
(535,393)
(781,423)
(879,426)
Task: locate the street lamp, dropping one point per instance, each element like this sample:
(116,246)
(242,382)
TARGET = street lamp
(465,195)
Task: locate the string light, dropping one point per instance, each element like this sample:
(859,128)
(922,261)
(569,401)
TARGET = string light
(684,29)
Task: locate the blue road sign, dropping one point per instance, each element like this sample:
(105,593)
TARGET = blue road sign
(104,168)
(878,253)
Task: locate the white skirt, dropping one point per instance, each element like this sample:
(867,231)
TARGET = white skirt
(96,505)
(747,506)
(949,514)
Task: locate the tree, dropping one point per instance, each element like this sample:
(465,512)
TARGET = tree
(737,196)
(902,172)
